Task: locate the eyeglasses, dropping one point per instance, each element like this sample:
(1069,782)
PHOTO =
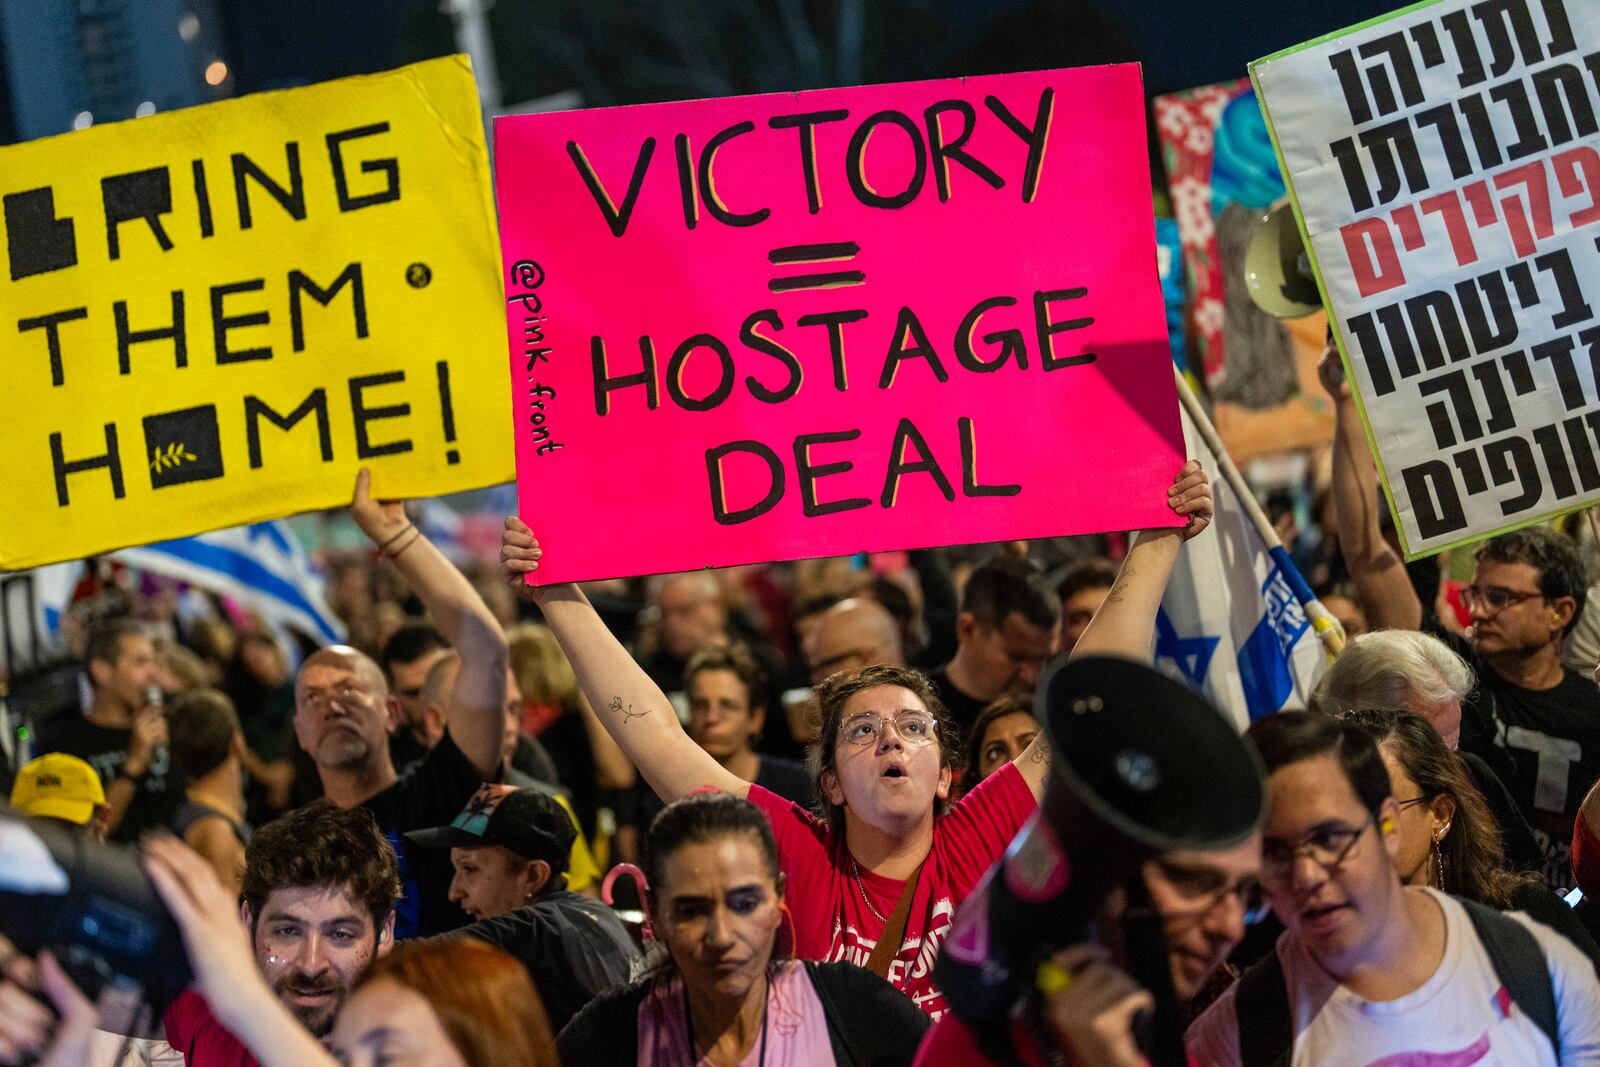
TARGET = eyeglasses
(1494,597)
(1423,799)
(1202,892)
(916,728)
(1328,847)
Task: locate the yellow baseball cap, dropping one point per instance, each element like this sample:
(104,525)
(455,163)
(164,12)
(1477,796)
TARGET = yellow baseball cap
(59,786)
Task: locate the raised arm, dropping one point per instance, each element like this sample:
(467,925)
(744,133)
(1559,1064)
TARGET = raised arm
(1126,620)
(1125,623)
(632,708)
(1386,591)
(475,710)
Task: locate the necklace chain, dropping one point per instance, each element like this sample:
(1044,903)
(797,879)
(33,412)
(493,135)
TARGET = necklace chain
(855,871)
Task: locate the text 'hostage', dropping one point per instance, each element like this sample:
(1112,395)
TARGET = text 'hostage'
(873,318)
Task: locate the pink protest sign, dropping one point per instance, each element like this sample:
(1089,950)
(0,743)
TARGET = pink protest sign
(806,324)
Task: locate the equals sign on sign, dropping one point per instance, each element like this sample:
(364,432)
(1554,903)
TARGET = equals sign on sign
(823,255)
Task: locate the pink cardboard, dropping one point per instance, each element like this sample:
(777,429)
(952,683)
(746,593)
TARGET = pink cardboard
(789,415)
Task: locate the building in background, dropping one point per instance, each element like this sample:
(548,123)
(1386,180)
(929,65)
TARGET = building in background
(73,63)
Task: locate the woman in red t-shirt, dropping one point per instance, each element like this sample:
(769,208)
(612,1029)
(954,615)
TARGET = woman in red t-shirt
(886,756)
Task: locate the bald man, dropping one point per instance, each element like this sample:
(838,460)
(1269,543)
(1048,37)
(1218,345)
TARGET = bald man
(852,634)
(344,713)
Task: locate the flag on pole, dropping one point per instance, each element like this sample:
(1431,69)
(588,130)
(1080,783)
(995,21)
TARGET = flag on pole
(1238,622)
(261,564)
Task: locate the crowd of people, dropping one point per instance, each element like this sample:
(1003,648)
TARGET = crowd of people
(406,849)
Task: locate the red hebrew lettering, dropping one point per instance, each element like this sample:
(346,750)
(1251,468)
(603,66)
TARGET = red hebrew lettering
(1483,212)
(1577,173)
(1536,182)
(1373,256)
(1405,220)
(1448,206)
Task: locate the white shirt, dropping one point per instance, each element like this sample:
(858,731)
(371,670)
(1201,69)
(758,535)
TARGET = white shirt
(1459,1017)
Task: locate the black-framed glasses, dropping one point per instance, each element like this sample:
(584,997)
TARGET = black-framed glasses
(916,728)
(1204,889)
(1328,847)
(1495,597)
(1423,799)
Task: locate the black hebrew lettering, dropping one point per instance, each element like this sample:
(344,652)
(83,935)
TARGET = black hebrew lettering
(1431,488)
(719,502)
(1443,120)
(1454,385)
(183,446)
(110,460)
(142,194)
(222,322)
(127,337)
(364,415)
(292,199)
(51,324)
(1548,438)
(809,473)
(1484,139)
(36,241)
(1501,21)
(256,409)
(1564,102)
(300,283)
(1511,462)
(1465,44)
(1558,351)
(1530,139)
(1497,405)
(1438,330)
(389,167)
(1574,308)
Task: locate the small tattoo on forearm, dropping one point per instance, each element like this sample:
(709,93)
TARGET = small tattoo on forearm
(1040,753)
(1120,589)
(626,711)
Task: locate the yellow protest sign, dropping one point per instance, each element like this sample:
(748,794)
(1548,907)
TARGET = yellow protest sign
(215,316)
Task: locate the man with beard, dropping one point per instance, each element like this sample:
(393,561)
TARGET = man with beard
(344,712)
(320,887)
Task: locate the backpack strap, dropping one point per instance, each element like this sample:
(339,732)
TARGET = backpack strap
(1261,1007)
(1519,963)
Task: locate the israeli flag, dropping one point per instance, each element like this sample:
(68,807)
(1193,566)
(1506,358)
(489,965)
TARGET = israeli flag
(261,564)
(1238,621)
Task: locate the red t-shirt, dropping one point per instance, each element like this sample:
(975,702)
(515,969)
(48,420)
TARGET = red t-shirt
(832,923)
(195,1032)
(951,1043)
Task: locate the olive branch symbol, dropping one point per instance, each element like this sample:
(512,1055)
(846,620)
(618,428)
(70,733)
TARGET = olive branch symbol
(173,455)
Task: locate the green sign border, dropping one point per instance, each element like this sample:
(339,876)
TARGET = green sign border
(1333,320)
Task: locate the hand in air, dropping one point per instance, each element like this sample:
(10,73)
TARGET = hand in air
(1330,372)
(1190,495)
(519,556)
(380,520)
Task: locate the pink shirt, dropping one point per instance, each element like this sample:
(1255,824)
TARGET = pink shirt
(795,1033)
(832,922)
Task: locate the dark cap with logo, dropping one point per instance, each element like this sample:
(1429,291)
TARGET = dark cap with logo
(532,824)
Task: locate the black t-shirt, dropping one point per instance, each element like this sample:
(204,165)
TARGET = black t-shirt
(160,792)
(1544,744)
(574,948)
(962,708)
(430,793)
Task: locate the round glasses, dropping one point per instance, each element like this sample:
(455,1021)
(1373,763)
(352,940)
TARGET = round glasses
(915,728)
(1328,847)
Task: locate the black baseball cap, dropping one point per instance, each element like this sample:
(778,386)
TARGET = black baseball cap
(532,824)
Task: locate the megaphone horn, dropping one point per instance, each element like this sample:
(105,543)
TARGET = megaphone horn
(1277,270)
